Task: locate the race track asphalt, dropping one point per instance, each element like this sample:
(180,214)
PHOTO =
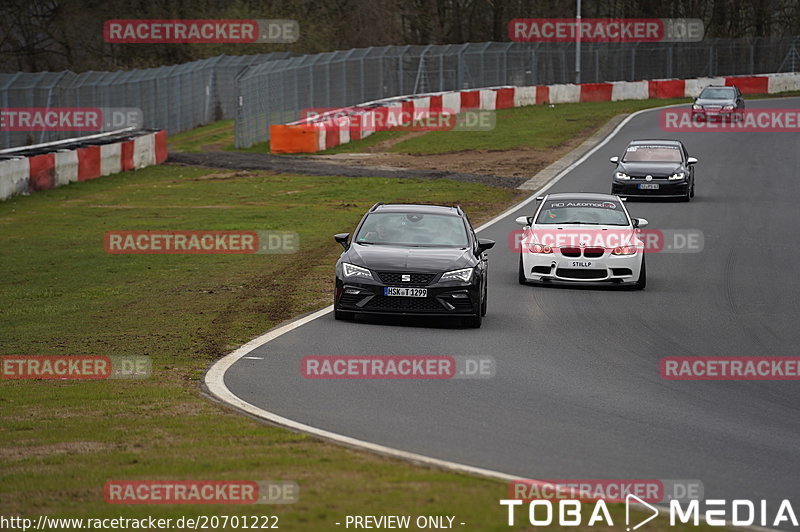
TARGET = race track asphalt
(577,393)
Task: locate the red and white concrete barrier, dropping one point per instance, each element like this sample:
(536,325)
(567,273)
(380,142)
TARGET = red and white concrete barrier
(352,123)
(52,166)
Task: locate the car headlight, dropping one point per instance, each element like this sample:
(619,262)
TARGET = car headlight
(728,108)
(351,270)
(622,175)
(457,275)
(543,249)
(676,176)
(624,250)
(697,107)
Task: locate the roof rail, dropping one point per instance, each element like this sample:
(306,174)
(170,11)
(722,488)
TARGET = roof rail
(376,206)
(458,210)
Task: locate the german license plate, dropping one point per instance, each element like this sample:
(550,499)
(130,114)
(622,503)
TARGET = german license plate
(648,186)
(581,264)
(405,292)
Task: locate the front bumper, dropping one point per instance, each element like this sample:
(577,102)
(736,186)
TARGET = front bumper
(713,114)
(607,269)
(666,188)
(451,298)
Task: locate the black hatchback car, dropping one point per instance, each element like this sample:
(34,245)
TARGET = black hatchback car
(654,168)
(723,102)
(420,260)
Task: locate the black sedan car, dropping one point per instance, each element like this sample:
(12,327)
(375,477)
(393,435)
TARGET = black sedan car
(654,168)
(420,260)
(723,102)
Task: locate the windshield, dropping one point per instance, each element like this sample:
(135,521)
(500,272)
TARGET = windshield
(652,154)
(717,93)
(582,212)
(413,229)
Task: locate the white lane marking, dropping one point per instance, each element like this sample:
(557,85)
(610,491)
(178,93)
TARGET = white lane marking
(254,358)
(215,376)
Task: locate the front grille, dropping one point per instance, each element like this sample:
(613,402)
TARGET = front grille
(405,304)
(577,273)
(417,279)
(571,252)
(593,253)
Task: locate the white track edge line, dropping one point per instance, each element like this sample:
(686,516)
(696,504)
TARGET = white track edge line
(215,376)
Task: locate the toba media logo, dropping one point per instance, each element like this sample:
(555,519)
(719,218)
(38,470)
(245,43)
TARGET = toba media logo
(578,503)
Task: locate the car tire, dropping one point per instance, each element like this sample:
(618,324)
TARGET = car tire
(641,282)
(691,190)
(521,272)
(485,302)
(341,315)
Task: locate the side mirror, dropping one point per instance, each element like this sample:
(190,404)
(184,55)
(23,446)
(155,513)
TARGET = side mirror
(692,160)
(342,239)
(640,223)
(524,220)
(614,159)
(484,244)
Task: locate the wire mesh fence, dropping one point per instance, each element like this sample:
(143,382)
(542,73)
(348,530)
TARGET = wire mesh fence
(279,91)
(176,98)
(260,90)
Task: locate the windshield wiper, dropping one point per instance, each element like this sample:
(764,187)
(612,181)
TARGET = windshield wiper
(579,223)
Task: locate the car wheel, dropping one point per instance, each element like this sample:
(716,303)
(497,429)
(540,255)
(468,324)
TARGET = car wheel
(485,302)
(342,315)
(642,281)
(521,272)
(691,191)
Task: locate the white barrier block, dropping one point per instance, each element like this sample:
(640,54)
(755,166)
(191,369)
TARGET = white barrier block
(695,86)
(488,100)
(110,158)
(144,151)
(524,96)
(322,137)
(630,90)
(422,108)
(789,81)
(66,167)
(566,93)
(13,177)
(451,102)
(344,129)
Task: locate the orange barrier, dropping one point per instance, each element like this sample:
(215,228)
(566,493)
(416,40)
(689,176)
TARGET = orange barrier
(293,139)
